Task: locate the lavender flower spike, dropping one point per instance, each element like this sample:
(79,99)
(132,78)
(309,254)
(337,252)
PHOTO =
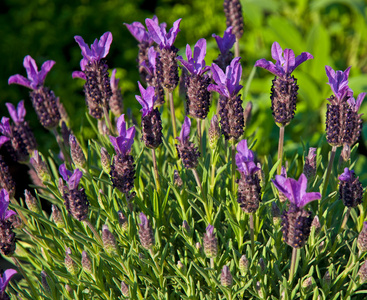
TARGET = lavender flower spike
(295,190)
(286,62)
(338,82)
(350,188)
(195,63)
(35,79)
(160,35)
(225,43)
(5,213)
(124,141)
(4,280)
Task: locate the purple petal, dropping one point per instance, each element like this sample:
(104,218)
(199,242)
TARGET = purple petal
(4,203)
(200,52)
(9,213)
(21,111)
(32,70)
(359,101)
(138,31)
(219,89)
(227,42)
(74,179)
(143,220)
(268,65)
(280,183)
(301,58)
(277,53)
(65,173)
(113,141)
(218,75)
(79,74)
(236,75)
(302,183)
(3,140)
(308,198)
(188,53)
(130,134)
(172,34)
(114,81)
(5,127)
(21,80)
(46,67)
(209,230)
(155,32)
(244,152)
(104,45)
(290,61)
(121,125)
(152,56)
(185,131)
(186,64)
(347,175)
(12,111)
(17,114)
(5,278)
(86,52)
(283,172)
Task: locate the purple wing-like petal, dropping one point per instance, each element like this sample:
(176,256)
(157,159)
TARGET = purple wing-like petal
(21,80)
(46,67)
(290,61)
(185,131)
(244,153)
(280,183)
(308,198)
(347,175)
(32,70)
(9,213)
(218,75)
(5,127)
(121,125)
(79,74)
(186,64)
(172,34)
(143,220)
(138,31)
(65,173)
(114,81)
(200,52)
(12,111)
(104,45)
(86,52)
(209,230)
(74,179)
(155,32)
(226,43)
(219,89)
(277,53)
(130,134)
(236,75)
(3,140)
(4,280)
(4,203)
(17,114)
(268,65)
(113,141)
(301,58)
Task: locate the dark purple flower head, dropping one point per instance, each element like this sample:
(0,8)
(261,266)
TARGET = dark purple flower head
(138,30)
(286,62)
(146,99)
(185,131)
(35,79)
(356,104)
(124,141)
(5,278)
(226,43)
(227,84)
(160,35)
(295,190)
(98,50)
(347,175)
(245,159)
(338,82)
(195,63)
(4,203)
(72,179)
(17,114)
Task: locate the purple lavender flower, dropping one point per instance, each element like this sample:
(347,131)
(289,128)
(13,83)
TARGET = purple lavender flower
(4,280)
(343,123)
(151,123)
(249,189)
(43,99)
(21,138)
(146,234)
(296,221)
(97,88)
(284,89)
(123,167)
(197,94)
(7,236)
(115,102)
(286,62)
(76,201)
(234,18)
(350,188)
(210,242)
(226,278)
(225,44)
(230,104)
(186,150)
(166,66)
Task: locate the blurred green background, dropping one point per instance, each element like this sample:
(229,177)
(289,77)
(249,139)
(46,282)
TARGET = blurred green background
(335,32)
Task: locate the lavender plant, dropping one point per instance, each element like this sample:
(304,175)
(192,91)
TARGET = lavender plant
(175,223)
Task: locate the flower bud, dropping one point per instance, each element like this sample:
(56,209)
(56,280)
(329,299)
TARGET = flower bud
(275,212)
(56,216)
(214,132)
(31,202)
(109,241)
(210,242)
(309,169)
(124,289)
(70,265)
(177,179)
(105,160)
(363,272)
(247,113)
(38,163)
(307,284)
(76,153)
(180,266)
(262,264)
(123,221)
(327,278)
(198,246)
(316,224)
(243,264)
(44,282)
(226,277)
(86,262)
(185,227)
(146,234)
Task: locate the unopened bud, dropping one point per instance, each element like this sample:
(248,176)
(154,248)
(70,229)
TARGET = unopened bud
(198,246)
(275,212)
(259,289)
(316,224)
(307,283)
(262,264)
(105,160)
(177,179)
(31,202)
(322,246)
(76,153)
(38,163)
(226,278)
(123,221)
(124,289)
(362,238)
(185,227)
(109,241)
(363,272)
(70,265)
(327,278)
(244,264)
(56,216)
(214,132)
(180,266)
(247,113)
(44,282)
(86,262)
(309,169)
(102,127)
(210,242)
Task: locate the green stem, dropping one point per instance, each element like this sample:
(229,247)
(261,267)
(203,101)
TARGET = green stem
(24,274)
(293,264)
(345,219)
(108,120)
(237,48)
(280,148)
(156,175)
(173,115)
(252,231)
(96,234)
(197,178)
(328,172)
(199,136)
(212,178)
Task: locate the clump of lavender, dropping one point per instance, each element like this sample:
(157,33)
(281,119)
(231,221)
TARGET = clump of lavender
(249,190)
(350,189)
(186,150)
(296,221)
(115,102)
(146,234)
(152,77)
(4,280)
(231,110)
(7,236)
(225,45)
(94,70)
(43,99)
(167,63)
(343,123)
(151,123)
(123,167)
(19,134)
(284,89)
(145,42)
(197,94)
(76,201)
